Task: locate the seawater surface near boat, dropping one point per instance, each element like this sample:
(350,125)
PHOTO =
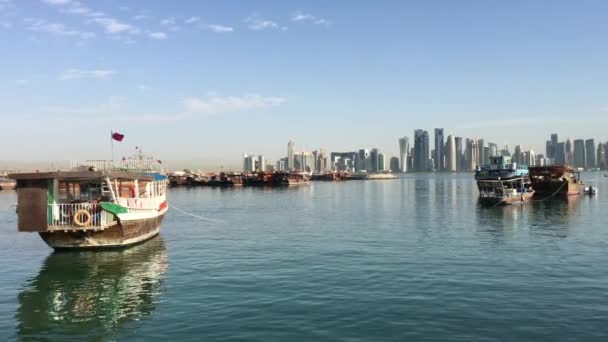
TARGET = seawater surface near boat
(89,208)
(503,182)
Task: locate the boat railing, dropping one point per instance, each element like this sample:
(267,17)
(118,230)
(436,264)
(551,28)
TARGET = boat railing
(63,216)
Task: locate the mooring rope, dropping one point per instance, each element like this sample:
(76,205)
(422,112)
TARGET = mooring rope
(193,215)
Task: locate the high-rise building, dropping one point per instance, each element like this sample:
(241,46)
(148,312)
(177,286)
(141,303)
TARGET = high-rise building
(569,152)
(518,155)
(373,160)
(560,154)
(291,152)
(591,153)
(482,156)
(404,148)
(529,158)
(459,154)
(282,164)
(551,148)
(439,154)
(580,154)
(471,155)
(601,156)
(450,154)
(492,150)
(381,162)
(422,150)
(363,160)
(343,161)
(249,163)
(261,163)
(395,167)
(505,151)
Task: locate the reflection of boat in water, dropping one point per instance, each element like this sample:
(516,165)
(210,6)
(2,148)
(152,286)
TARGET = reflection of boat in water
(503,182)
(78,294)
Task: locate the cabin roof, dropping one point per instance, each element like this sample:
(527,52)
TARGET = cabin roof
(80,175)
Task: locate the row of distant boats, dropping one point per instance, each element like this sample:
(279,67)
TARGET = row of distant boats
(506,182)
(227,179)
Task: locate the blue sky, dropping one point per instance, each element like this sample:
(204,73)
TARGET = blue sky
(206,81)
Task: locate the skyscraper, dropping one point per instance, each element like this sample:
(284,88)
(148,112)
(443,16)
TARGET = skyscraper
(394,166)
(450,154)
(261,163)
(591,153)
(580,154)
(518,155)
(459,155)
(373,160)
(381,162)
(481,153)
(291,152)
(422,150)
(439,150)
(601,155)
(404,148)
(471,155)
(363,160)
(560,154)
(569,152)
(552,146)
(493,150)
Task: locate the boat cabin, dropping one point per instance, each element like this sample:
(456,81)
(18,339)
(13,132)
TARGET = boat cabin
(79,200)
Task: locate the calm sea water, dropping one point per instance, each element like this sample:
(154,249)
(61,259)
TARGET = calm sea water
(410,259)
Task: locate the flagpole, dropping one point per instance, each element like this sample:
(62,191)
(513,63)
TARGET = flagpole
(112,144)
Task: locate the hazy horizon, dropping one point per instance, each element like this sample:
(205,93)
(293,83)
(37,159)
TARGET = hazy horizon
(207,82)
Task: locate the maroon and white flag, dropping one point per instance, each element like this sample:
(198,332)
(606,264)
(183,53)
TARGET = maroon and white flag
(117,136)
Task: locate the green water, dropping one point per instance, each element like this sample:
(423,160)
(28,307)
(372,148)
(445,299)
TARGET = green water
(410,259)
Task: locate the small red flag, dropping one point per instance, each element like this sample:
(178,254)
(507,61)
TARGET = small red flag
(118,136)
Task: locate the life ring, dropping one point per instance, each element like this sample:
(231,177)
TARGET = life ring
(77,218)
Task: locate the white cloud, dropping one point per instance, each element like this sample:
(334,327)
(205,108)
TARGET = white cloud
(215,104)
(192,20)
(5,25)
(40,25)
(168,21)
(258,24)
(143,87)
(157,35)
(307,17)
(22,82)
(140,17)
(220,28)
(75,74)
(57,2)
(113,26)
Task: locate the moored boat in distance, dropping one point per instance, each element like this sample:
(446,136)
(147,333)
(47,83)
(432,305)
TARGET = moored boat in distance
(7,183)
(380,176)
(87,208)
(503,182)
(556,180)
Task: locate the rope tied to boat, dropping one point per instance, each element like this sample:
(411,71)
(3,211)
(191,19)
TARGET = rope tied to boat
(554,194)
(195,216)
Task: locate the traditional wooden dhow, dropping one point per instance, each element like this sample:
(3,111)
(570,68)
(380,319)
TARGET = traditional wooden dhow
(91,209)
(503,182)
(556,180)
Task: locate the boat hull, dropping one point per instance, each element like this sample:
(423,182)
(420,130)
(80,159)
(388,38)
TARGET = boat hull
(521,199)
(564,188)
(122,234)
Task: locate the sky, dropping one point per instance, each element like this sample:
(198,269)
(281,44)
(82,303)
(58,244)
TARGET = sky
(199,83)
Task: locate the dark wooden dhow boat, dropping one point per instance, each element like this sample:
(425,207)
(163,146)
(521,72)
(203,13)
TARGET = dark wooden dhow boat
(556,180)
(503,182)
(91,209)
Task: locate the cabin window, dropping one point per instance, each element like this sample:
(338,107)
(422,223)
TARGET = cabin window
(78,191)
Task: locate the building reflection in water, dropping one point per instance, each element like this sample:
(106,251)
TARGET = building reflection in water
(92,294)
